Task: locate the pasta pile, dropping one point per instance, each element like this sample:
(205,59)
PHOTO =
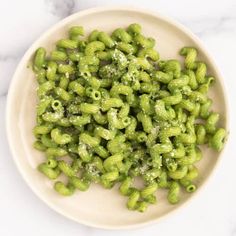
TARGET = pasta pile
(119,112)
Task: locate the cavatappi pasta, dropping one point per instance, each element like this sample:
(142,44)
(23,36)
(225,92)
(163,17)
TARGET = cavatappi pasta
(119,112)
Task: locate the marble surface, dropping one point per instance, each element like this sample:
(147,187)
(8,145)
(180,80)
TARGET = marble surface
(213,212)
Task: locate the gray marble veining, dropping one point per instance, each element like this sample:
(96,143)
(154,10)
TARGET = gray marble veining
(60,8)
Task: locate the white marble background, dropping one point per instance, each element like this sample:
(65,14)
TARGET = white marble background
(213,212)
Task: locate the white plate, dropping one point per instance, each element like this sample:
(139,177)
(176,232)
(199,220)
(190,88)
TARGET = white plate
(99,207)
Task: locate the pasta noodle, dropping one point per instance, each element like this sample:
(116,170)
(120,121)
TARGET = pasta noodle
(118,112)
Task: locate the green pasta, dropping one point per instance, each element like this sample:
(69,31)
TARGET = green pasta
(109,111)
